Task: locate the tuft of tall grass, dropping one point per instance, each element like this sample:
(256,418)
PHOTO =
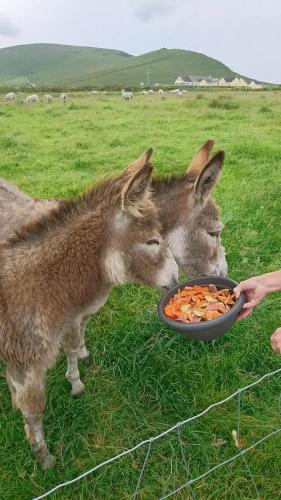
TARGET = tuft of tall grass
(223,104)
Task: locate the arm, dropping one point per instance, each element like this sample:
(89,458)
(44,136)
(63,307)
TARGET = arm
(256,290)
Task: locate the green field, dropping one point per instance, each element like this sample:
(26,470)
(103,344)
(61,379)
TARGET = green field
(53,64)
(145,378)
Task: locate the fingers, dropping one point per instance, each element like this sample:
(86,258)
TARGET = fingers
(237,290)
(250,305)
(276,341)
(244,313)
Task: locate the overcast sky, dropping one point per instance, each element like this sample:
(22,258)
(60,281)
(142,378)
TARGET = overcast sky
(243,34)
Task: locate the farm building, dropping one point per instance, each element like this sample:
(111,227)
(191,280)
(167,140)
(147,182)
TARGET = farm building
(254,84)
(209,81)
(191,80)
(225,82)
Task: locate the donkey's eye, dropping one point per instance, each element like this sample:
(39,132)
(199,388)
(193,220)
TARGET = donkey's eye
(215,234)
(153,242)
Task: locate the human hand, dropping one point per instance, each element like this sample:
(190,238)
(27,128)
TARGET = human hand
(276,341)
(255,292)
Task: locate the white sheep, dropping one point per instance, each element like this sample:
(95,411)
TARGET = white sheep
(161,92)
(127,96)
(63,97)
(144,92)
(48,98)
(31,98)
(10,96)
(150,92)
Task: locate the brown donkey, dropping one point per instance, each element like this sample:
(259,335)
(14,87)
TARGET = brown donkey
(188,215)
(190,218)
(60,268)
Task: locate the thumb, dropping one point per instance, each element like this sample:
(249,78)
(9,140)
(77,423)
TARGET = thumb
(237,290)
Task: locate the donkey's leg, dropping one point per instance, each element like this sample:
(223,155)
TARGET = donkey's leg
(29,396)
(13,388)
(83,353)
(71,344)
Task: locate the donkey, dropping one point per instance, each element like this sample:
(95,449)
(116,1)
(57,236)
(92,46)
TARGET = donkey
(188,215)
(60,268)
(189,218)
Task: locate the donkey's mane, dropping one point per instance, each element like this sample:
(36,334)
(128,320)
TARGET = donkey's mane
(162,184)
(103,194)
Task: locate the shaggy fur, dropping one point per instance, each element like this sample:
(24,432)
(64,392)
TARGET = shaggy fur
(60,268)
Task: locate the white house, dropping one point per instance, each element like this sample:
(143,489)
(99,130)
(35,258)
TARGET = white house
(254,84)
(209,81)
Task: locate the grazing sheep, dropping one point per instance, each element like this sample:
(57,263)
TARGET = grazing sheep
(144,92)
(31,98)
(179,93)
(94,92)
(10,96)
(63,97)
(161,92)
(127,96)
(150,92)
(48,98)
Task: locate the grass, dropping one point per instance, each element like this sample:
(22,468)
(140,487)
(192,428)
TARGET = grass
(145,377)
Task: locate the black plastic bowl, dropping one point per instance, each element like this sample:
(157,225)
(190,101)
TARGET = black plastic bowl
(205,330)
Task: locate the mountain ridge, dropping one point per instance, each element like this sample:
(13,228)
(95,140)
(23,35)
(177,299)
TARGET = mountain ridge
(72,65)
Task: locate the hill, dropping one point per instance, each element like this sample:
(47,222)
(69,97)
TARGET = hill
(47,64)
(162,66)
(52,64)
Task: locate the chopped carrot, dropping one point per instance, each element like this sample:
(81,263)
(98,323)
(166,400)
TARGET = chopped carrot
(199,303)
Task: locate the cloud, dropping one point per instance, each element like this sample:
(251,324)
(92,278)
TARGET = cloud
(145,10)
(7,27)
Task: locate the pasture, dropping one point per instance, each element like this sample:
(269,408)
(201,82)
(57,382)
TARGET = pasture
(144,377)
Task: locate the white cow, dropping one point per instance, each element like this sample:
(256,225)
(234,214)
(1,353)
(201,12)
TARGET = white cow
(10,96)
(31,98)
(63,97)
(48,98)
(127,96)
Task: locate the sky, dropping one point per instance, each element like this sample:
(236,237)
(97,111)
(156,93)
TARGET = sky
(243,34)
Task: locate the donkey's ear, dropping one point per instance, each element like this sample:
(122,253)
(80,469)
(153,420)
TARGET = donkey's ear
(200,158)
(209,176)
(136,188)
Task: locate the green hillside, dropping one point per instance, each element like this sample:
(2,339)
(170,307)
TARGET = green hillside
(54,64)
(164,66)
(51,64)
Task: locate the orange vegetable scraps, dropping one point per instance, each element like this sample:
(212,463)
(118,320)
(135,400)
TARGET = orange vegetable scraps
(199,303)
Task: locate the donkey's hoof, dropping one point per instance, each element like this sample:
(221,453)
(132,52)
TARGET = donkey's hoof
(88,360)
(47,461)
(78,389)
